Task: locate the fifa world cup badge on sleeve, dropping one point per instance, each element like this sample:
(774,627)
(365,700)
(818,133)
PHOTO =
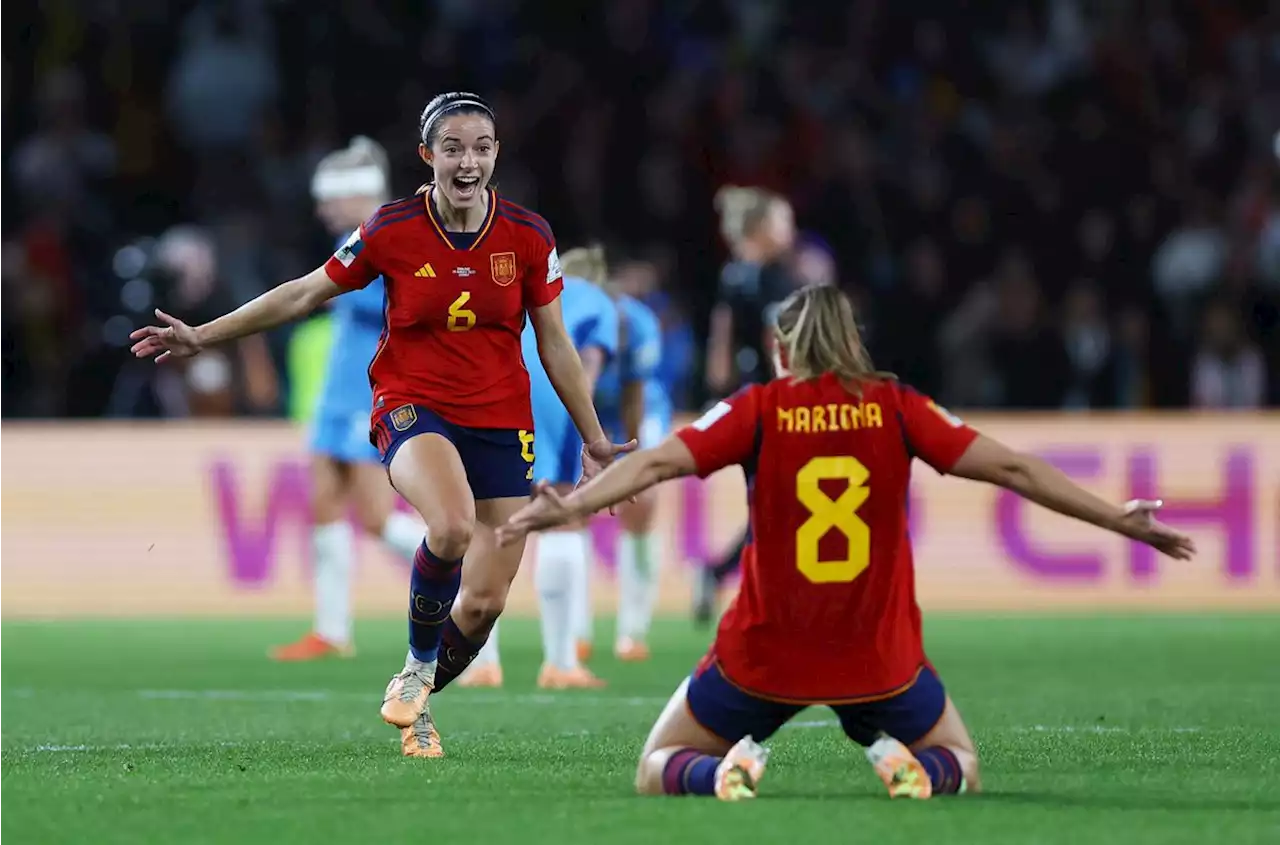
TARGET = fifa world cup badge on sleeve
(553,266)
(347,252)
(404,417)
(503,265)
(951,418)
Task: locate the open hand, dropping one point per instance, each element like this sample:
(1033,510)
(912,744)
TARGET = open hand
(546,509)
(1140,524)
(173,340)
(598,454)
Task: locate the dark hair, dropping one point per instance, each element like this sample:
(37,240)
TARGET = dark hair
(454,102)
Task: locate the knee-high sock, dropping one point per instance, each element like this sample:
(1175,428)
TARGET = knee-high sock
(334,548)
(433,586)
(637,585)
(582,615)
(559,570)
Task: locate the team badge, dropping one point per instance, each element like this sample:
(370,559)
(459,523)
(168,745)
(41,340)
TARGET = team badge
(951,418)
(503,265)
(404,417)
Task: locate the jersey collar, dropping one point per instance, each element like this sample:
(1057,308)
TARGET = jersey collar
(434,218)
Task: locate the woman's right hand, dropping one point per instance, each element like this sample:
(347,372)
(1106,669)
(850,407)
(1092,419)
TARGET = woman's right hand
(174,340)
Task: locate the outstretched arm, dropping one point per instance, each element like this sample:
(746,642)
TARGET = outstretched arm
(280,305)
(1037,480)
(618,482)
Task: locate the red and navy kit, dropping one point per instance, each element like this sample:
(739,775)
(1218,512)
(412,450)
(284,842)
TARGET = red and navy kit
(449,360)
(826,613)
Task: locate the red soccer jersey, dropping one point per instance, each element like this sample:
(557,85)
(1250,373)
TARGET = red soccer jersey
(453,315)
(827,609)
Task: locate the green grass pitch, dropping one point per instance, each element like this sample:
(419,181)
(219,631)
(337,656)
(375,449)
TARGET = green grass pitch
(1092,730)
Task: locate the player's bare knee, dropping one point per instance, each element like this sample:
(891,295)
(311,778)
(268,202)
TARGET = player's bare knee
(477,610)
(649,771)
(450,535)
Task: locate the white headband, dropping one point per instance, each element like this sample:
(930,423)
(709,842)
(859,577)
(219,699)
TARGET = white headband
(349,182)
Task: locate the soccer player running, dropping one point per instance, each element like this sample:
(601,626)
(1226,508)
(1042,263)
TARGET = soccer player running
(349,185)
(633,405)
(451,415)
(759,227)
(561,558)
(827,449)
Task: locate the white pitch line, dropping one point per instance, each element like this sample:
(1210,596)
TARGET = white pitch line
(540,699)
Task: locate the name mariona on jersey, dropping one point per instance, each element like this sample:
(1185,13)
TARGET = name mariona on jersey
(833,416)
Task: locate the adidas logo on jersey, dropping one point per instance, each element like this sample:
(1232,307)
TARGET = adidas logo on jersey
(426,271)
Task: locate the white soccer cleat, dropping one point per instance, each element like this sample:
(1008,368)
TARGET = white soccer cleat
(739,773)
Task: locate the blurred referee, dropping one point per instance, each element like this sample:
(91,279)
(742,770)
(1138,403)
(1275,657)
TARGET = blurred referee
(759,228)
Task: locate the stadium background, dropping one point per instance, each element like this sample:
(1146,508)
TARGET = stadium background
(1067,205)
(1060,216)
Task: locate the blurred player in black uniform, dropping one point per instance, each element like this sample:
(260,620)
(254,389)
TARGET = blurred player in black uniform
(759,228)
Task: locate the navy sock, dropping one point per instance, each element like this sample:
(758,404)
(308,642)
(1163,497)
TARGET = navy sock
(690,772)
(456,653)
(944,769)
(433,586)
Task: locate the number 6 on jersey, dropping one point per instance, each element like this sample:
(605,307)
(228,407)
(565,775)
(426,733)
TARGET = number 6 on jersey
(460,318)
(827,513)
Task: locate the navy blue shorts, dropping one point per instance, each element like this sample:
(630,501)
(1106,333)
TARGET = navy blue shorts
(732,713)
(498,461)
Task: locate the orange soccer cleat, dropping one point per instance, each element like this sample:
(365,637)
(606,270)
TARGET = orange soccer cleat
(739,773)
(421,739)
(310,647)
(555,678)
(631,651)
(899,769)
(482,676)
(406,697)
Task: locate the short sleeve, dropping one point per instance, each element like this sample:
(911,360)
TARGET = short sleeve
(934,434)
(727,434)
(353,265)
(543,279)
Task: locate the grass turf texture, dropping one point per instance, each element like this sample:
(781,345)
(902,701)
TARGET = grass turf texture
(1094,730)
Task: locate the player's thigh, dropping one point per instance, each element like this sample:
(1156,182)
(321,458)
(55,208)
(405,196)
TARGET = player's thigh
(677,728)
(328,489)
(950,731)
(372,494)
(729,712)
(491,567)
(427,471)
(911,715)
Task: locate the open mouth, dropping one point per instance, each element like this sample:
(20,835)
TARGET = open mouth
(466,187)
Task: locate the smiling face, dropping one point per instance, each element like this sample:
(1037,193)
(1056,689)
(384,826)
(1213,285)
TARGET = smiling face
(462,154)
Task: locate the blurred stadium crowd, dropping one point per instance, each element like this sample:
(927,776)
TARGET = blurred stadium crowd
(1067,203)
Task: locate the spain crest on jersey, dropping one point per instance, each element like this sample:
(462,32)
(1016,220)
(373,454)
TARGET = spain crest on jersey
(503,265)
(404,417)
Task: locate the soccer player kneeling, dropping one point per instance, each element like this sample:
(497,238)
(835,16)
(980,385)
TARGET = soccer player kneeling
(827,450)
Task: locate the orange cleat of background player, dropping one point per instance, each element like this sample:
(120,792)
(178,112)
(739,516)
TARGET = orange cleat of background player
(826,614)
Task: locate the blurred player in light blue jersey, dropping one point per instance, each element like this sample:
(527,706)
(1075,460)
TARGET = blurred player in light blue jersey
(348,186)
(562,557)
(632,403)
